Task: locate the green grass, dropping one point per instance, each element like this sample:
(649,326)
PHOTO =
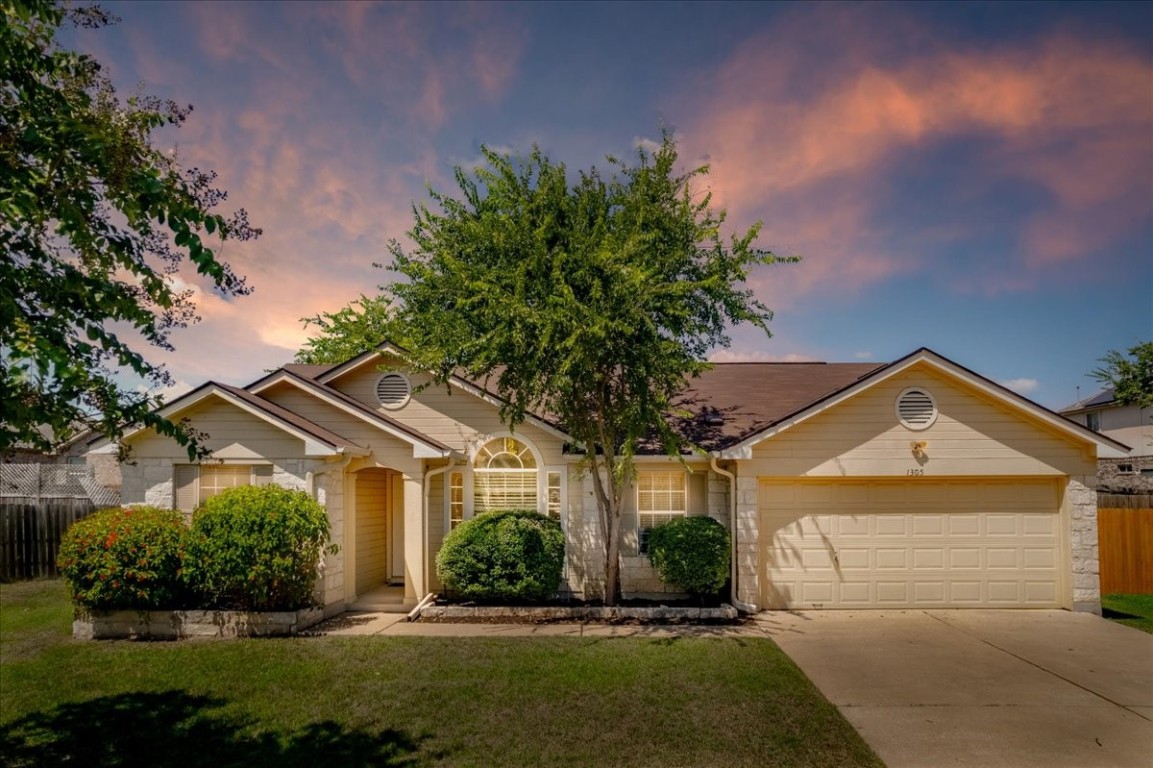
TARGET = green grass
(365,701)
(1130,610)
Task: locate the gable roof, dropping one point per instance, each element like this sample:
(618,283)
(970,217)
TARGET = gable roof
(318,440)
(545,422)
(734,401)
(423,445)
(1107,446)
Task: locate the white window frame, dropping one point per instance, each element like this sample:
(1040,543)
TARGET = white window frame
(669,512)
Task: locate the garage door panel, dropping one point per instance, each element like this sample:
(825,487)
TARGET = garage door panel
(911,544)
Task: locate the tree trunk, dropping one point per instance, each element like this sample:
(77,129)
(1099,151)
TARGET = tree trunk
(608,504)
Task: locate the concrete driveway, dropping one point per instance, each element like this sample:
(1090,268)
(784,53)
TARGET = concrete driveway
(981,688)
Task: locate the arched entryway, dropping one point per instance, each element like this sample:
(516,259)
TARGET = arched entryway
(379,555)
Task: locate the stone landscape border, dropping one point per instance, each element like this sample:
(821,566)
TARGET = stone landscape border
(181,625)
(655,614)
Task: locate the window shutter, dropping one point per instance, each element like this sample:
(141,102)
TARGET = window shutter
(186,479)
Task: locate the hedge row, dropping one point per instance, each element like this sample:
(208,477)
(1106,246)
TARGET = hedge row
(250,548)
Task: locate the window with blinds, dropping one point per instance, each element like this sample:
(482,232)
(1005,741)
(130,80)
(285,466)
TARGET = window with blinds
(194,484)
(504,476)
(661,498)
(455,499)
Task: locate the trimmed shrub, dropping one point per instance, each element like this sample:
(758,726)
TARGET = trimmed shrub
(256,548)
(124,558)
(691,553)
(511,555)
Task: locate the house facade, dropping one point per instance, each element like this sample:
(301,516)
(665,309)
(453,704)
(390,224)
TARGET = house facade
(913,484)
(1126,423)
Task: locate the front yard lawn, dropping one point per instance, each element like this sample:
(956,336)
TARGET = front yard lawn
(1130,610)
(380,701)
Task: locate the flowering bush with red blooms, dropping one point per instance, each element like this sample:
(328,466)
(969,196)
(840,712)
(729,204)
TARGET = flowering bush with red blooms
(124,558)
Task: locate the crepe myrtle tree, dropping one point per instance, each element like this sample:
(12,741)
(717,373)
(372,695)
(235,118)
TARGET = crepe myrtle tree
(591,300)
(95,225)
(1130,376)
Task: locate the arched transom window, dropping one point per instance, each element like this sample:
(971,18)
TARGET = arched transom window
(504,476)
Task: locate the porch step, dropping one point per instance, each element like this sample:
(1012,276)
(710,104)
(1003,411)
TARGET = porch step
(383,600)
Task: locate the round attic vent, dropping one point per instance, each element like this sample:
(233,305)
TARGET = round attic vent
(916,409)
(393,390)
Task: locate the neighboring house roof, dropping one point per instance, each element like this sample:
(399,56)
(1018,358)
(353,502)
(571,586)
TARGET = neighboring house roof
(1102,399)
(927,356)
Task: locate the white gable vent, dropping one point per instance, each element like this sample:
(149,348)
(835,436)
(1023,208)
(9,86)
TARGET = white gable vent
(393,390)
(916,408)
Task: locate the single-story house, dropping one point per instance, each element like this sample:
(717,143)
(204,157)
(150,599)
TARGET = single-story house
(912,484)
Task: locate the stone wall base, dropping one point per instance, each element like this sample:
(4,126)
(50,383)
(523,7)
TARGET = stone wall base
(181,625)
(580,613)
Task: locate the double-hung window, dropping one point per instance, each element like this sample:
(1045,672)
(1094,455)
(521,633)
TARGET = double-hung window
(661,497)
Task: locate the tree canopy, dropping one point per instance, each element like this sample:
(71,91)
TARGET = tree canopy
(342,335)
(1130,376)
(95,225)
(592,301)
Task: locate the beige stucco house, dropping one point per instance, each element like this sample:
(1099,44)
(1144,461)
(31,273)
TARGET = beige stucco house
(913,484)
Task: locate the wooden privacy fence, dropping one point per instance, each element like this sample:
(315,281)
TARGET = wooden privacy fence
(37,504)
(1125,544)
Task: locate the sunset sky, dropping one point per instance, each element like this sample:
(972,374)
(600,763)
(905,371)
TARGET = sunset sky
(975,178)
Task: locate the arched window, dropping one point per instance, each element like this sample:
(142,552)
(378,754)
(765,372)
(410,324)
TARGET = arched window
(504,475)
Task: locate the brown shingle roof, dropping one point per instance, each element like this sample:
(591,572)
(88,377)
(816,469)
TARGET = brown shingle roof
(736,400)
(306,371)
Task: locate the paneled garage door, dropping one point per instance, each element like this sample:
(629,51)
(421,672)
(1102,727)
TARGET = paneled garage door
(910,543)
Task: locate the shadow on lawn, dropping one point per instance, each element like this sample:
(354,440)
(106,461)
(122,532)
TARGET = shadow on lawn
(173,728)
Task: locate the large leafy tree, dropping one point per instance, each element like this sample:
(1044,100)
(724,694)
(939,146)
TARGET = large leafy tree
(1130,376)
(346,333)
(95,225)
(591,301)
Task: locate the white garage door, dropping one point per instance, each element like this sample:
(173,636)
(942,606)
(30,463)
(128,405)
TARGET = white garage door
(910,544)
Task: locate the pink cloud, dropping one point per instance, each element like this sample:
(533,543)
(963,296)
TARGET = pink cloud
(814,131)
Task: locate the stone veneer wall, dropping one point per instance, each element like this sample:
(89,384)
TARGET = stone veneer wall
(149,481)
(1081,498)
(1111,479)
(748,534)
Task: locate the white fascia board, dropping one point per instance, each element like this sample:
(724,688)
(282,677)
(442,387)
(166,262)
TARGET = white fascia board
(455,381)
(313,446)
(420,449)
(1106,446)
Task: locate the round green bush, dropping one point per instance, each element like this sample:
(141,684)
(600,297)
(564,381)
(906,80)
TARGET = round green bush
(511,555)
(691,553)
(124,558)
(256,548)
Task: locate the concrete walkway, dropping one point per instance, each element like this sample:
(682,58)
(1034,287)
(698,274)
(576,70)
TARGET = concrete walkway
(981,688)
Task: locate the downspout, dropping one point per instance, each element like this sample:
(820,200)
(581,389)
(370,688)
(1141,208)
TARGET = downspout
(424,519)
(741,606)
